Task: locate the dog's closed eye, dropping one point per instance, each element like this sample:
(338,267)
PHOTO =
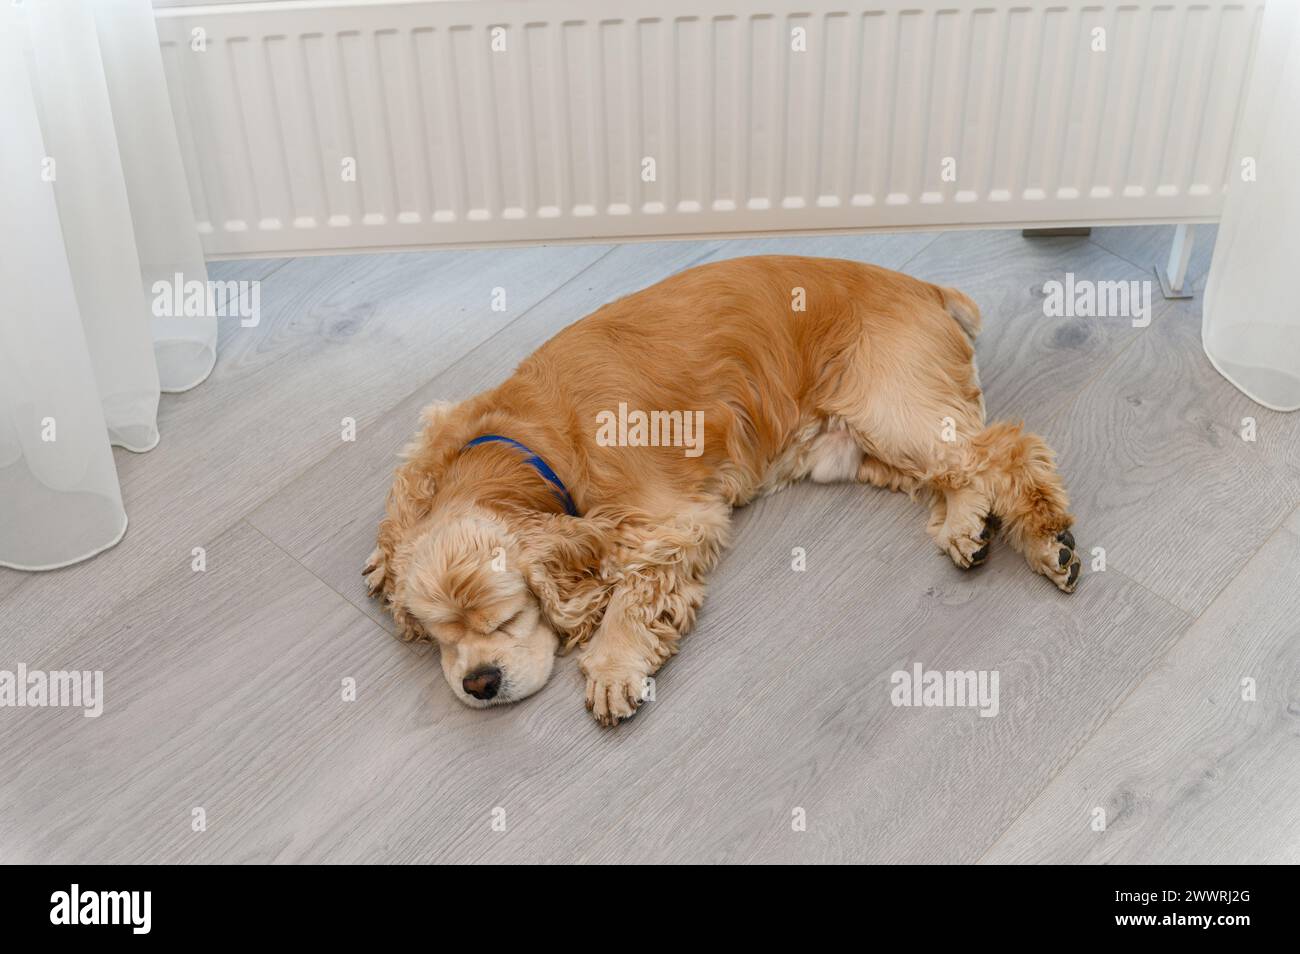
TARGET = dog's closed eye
(505,623)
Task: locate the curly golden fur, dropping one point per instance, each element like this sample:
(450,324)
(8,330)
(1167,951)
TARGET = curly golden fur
(872,379)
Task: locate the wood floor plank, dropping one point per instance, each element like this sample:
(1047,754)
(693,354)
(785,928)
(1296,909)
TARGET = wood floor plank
(222,691)
(1031,365)
(1159,474)
(1188,771)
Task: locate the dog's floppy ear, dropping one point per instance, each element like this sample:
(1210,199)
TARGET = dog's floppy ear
(562,559)
(410,501)
(423,461)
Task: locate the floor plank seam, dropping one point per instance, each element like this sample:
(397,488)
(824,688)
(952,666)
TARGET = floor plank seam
(1190,282)
(1093,242)
(921,250)
(1078,749)
(351,605)
(1246,562)
(282,263)
(1191,622)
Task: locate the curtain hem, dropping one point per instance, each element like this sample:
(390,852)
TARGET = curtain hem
(212,363)
(137,450)
(1241,387)
(75,560)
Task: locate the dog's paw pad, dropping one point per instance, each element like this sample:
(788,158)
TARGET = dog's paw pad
(1056,559)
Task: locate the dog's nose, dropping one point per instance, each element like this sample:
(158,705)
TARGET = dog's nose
(483,682)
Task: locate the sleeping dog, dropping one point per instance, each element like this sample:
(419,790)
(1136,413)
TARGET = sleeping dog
(544,515)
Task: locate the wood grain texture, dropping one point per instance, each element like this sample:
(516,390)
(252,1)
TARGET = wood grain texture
(1188,771)
(1031,365)
(1159,474)
(222,691)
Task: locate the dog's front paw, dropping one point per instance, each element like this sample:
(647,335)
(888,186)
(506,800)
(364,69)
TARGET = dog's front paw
(375,571)
(615,689)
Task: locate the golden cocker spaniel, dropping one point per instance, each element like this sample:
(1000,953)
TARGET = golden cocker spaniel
(584,501)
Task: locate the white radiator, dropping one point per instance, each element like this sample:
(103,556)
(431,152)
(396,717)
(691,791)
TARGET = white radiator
(322,125)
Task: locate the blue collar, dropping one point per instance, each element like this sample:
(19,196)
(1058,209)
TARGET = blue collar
(538,464)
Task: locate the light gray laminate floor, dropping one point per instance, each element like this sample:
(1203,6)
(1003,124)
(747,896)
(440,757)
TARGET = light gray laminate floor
(1123,701)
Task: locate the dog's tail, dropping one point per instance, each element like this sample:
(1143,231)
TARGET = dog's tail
(964,311)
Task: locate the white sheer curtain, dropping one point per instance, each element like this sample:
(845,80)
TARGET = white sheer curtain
(94,209)
(1251,322)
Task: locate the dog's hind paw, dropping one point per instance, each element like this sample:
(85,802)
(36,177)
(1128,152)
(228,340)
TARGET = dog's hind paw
(1056,559)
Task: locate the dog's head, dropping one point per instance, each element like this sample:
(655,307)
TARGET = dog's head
(501,596)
